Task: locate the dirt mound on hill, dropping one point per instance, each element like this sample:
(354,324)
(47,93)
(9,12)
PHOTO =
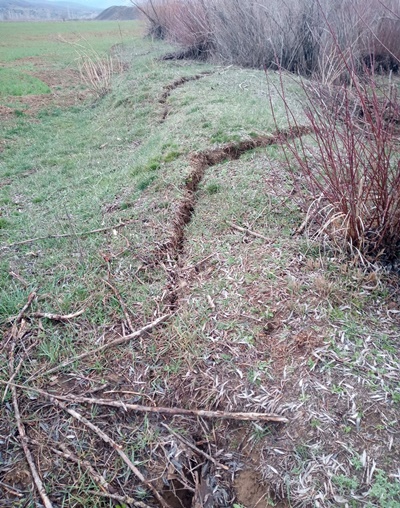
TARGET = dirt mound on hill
(119,13)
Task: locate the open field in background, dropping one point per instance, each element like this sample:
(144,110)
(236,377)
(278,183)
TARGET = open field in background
(36,56)
(44,39)
(171,196)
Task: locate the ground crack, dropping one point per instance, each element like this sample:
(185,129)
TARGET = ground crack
(176,84)
(200,162)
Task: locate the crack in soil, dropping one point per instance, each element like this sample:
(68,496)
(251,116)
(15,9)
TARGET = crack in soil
(200,162)
(172,86)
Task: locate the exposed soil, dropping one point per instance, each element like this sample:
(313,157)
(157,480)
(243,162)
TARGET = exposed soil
(251,491)
(200,51)
(66,90)
(200,162)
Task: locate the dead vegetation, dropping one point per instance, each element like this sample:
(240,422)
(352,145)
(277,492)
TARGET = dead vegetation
(269,352)
(202,489)
(296,35)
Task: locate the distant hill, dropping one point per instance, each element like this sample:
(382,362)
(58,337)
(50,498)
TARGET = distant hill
(119,13)
(23,10)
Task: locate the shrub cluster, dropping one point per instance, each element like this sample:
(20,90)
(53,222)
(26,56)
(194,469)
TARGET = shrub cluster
(349,178)
(296,34)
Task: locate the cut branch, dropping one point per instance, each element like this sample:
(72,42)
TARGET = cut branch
(66,235)
(121,499)
(122,304)
(247,231)
(224,415)
(113,343)
(54,317)
(84,464)
(18,318)
(21,430)
(57,317)
(66,453)
(195,448)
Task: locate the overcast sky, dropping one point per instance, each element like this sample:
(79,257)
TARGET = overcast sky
(100,4)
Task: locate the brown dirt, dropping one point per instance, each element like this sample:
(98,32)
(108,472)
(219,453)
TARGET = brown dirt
(65,85)
(203,160)
(204,381)
(200,162)
(5,111)
(251,492)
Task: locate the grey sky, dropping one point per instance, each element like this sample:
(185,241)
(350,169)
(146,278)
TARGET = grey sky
(100,4)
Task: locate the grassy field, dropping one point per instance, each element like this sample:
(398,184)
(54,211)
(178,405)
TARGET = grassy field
(42,39)
(122,210)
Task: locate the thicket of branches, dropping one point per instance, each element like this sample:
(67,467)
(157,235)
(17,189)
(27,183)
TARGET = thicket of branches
(294,33)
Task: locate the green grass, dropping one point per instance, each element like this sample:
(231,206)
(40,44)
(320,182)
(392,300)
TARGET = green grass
(17,83)
(46,39)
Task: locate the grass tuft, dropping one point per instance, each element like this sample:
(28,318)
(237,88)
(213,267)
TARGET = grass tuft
(17,83)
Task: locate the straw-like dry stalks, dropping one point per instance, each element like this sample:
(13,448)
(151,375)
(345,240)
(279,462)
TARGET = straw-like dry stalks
(256,33)
(96,70)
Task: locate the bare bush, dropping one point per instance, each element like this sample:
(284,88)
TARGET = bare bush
(350,169)
(309,37)
(96,71)
(184,22)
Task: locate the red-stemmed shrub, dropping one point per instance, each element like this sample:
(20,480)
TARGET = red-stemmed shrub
(348,171)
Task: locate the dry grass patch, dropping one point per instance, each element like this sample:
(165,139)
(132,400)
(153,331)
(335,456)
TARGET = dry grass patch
(277,324)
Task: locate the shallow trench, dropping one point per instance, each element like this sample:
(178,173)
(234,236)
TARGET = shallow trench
(172,86)
(200,162)
(172,252)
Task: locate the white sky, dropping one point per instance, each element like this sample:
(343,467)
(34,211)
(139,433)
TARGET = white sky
(100,4)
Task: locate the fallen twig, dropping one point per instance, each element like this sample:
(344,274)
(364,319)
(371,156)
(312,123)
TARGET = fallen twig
(11,490)
(16,370)
(120,499)
(19,278)
(84,464)
(18,318)
(65,235)
(116,342)
(68,454)
(302,227)
(224,415)
(21,428)
(196,265)
(195,449)
(247,231)
(122,304)
(54,317)
(16,334)
(57,317)
(210,302)
(107,439)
